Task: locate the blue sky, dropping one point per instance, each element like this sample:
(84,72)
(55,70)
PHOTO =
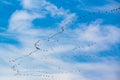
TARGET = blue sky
(59,40)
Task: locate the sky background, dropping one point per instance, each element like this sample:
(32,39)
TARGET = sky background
(77,39)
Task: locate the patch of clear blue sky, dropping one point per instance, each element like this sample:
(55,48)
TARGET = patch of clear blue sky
(8,40)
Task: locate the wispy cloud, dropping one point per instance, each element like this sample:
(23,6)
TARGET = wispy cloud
(6,2)
(99,35)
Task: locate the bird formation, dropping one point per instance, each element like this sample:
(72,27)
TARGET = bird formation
(14,66)
(37,45)
(99,12)
(84,46)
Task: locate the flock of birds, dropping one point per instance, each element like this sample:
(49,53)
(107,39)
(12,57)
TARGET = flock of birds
(99,12)
(37,45)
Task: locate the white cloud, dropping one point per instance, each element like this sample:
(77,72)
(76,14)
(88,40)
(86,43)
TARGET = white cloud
(22,20)
(102,36)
